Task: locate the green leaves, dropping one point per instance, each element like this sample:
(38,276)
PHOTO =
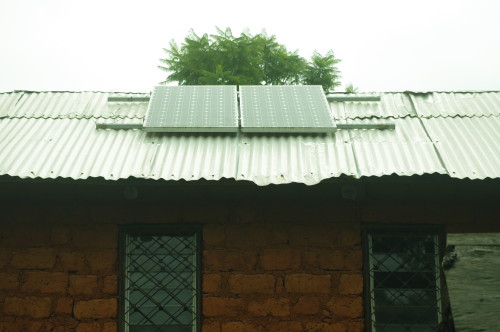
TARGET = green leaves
(351,89)
(322,71)
(219,77)
(225,59)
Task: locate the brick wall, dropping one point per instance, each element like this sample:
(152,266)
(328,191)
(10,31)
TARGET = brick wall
(282,272)
(265,267)
(61,272)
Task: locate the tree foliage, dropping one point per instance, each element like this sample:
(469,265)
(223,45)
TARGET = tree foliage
(224,59)
(351,89)
(322,71)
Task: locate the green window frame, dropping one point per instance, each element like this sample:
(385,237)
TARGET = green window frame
(160,285)
(403,277)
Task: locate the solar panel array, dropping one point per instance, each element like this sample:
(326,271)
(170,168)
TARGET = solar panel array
(293,108)
(192,109)
(263,109)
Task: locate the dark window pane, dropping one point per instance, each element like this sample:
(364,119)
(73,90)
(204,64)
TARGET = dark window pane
(405,328)
(160,283)
(404,285)
(405,280)
(163,328)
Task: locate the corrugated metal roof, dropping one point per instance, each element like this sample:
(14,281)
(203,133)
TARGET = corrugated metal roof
(51,148)
(428,105)
(468,146)
(73,105)
(8,102)
(391,105)
(407,150)
(471,104)
(52,134)
(277,159)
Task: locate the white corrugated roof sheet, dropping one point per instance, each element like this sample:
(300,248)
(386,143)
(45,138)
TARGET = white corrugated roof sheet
(75,105)
(53,134)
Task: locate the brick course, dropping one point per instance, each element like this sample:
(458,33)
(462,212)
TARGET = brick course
(73,261)
(222,306)
(110,285)
(101,308)
(211,283)
(45,282)
(280,259)
(34,258)
(35,307)
(308,283)
(351,284)
(348,307)
(83,284)
(8,281)
(64,305)
(270,307)
(88,327)
(251,284)
(307,305)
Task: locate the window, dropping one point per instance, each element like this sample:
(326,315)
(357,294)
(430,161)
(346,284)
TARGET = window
(159,279)
(403,278)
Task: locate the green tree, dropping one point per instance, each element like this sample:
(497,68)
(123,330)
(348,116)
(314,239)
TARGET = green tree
(247,59)
(322,71)
(351,89)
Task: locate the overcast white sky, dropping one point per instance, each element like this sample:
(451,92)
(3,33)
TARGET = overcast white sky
(106,45)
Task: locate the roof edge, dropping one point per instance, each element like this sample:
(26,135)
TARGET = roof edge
(69,91)
(330,93)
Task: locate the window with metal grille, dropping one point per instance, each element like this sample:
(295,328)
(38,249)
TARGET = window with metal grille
(403,278)
(160,279)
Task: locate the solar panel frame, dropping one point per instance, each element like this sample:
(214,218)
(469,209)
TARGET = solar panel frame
(285,109)
(192,109)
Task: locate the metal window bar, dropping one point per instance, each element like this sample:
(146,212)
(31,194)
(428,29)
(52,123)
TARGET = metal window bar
(160,280)
(403,280)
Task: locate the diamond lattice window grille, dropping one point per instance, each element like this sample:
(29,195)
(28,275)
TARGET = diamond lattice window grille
(403,279)
(159,280)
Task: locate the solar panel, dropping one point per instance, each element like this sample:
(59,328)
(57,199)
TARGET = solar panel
(192,109)
(295,108)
